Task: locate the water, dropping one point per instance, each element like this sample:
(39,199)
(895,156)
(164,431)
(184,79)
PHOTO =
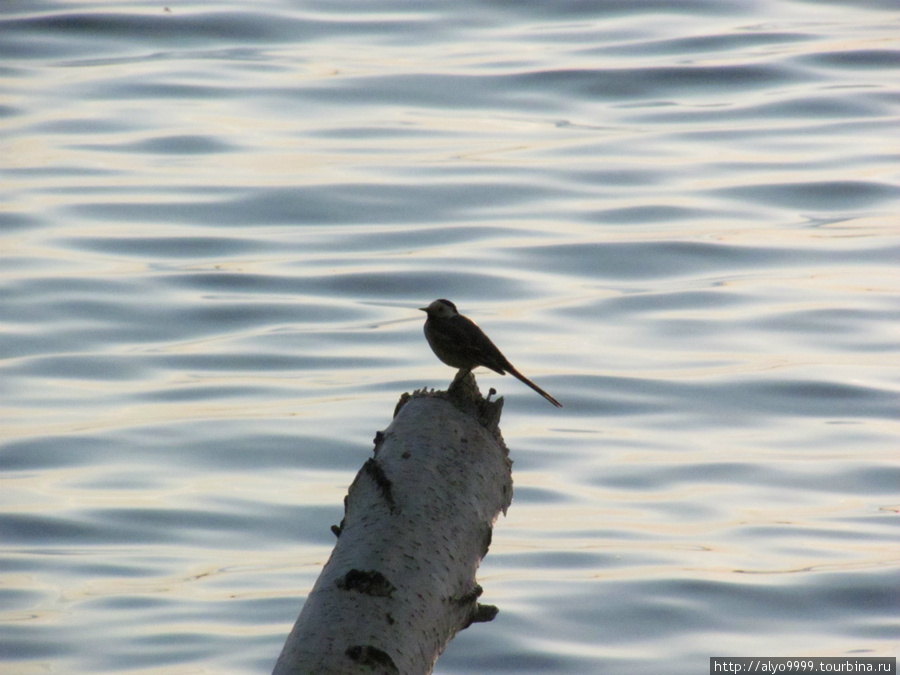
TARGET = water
(681,219)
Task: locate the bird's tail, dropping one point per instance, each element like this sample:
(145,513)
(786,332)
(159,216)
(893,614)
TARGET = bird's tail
(519,376)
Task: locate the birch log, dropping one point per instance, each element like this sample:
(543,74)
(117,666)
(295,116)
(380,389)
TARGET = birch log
(418,518)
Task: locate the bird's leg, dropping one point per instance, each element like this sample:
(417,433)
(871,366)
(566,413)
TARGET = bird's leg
(460,376)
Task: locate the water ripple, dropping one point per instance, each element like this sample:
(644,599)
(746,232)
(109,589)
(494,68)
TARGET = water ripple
(218,225)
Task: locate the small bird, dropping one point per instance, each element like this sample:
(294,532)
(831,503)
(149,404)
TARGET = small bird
(459,342)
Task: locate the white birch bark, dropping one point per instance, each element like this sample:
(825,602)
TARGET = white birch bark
(400,582)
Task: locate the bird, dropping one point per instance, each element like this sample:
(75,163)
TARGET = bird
(459,342)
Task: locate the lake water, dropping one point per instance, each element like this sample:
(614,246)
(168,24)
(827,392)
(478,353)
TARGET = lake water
(680,218)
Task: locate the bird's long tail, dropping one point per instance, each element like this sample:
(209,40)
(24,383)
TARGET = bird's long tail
(519,376)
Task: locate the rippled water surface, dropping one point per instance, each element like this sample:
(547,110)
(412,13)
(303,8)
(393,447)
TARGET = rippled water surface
(680,218)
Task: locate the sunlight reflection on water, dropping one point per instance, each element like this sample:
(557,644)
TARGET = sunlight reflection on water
(218,227)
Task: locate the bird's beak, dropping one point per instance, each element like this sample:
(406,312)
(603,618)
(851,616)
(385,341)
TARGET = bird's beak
(423,309)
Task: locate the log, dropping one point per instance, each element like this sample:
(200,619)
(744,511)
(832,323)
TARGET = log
(418,520)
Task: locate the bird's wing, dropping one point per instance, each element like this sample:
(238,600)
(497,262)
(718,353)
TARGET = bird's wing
(480,345)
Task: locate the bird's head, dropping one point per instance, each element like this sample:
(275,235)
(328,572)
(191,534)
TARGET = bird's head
(440,309)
